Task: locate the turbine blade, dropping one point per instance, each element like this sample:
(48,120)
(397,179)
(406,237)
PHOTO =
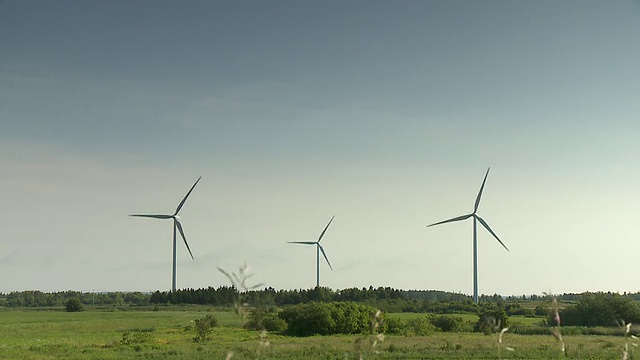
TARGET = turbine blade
(186,196)
(184,237)
(153,216)
(475,207)
(325,229)
(325,256)
(302,242)
(459,218)
(486,226)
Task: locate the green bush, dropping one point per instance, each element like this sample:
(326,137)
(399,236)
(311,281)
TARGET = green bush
(448,323)
(204,327)
(421,326)
(600,309)
(328,318)
(394,326)
(541,310)
(274,324)
(262,318)
(490,321)
(73,305)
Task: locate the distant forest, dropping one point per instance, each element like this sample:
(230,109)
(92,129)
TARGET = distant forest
(386,298)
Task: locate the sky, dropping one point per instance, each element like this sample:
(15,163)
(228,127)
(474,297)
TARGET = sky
(384,114)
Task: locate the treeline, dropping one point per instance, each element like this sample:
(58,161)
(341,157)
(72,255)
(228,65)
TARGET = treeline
(35,298)
(386,298)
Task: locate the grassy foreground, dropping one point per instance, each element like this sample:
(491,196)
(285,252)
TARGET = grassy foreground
(168,334)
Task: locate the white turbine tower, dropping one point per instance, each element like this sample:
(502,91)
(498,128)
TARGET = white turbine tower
(176,225)
(319,249)
(475,217)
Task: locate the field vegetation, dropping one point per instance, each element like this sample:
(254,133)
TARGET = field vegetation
(327,329)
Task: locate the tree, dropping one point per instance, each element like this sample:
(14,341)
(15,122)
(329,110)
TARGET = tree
(491,320)
(601,309)
(73,305)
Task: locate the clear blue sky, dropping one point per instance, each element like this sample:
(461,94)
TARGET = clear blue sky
(385,114)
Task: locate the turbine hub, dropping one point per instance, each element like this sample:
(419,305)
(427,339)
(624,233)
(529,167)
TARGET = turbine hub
(176,217)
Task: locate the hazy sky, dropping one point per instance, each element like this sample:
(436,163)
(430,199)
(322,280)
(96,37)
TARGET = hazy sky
(385,114)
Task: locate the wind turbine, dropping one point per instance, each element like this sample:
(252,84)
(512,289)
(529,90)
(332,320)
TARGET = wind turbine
(476,218)
(176,225)
(319,249)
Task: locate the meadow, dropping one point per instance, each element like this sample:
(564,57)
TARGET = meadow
(169,332)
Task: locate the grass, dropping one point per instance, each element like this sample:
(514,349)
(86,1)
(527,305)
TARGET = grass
(514,320)
(168,334)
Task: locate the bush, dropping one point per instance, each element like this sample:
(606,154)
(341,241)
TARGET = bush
(448,323)
(600,309)
(262,318)
(541,310)
(394,326)
(73,305)
(204,327)
(274,324)
(421,326)
(328,318)
(490,321)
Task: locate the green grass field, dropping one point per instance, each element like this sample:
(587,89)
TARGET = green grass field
(515,320)
(168,334)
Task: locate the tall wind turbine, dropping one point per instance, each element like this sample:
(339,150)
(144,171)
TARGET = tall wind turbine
(319,249)
(176,225)
(476,218)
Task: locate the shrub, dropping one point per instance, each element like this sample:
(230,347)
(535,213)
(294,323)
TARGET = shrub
(262,318)
(204,327)
(394,326)
(274,324)
(490,321)
(448,323)
(600,309)
(309,319)
(328,318)
(73,305)
(421,326)
(541,310)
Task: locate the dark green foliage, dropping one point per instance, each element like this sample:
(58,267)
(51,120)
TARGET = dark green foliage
(421,326)
(41,299)
(516,309)
(274,324)
(204,327)
(448,323)
(541,310)
(600,309)
(309,319)
(416,306)
(263,318)
(490,321)
(394,326)
(73,305)
(328,318)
